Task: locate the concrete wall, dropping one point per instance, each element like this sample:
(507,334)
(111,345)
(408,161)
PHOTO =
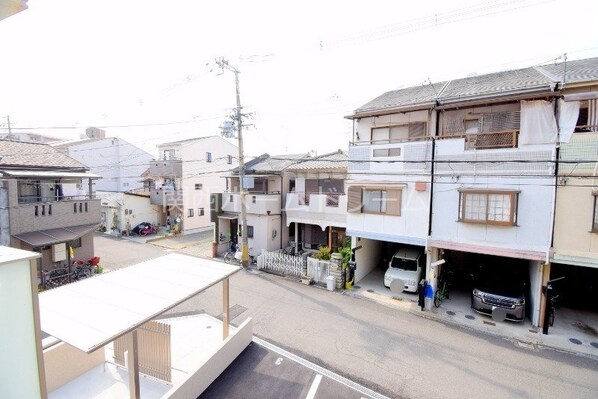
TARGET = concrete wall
(262,233)
(64,363)
(368,257)
(535,294)
(216,361)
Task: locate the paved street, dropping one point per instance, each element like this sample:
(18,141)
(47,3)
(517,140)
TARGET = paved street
(385,349)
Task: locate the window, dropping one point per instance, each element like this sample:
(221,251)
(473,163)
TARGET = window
(229,159)
(208,157)
(377,201)
(190,212)
(125,184)
(414,131)
(488,207)
(168,154)
(198,186)
(76,243)
(249,231)
(50,209)
(200,212)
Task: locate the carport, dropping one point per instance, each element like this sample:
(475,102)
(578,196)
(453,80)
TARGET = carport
(93,313)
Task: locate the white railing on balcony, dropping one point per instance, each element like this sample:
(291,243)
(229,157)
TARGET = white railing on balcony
(327,209)
(259,204)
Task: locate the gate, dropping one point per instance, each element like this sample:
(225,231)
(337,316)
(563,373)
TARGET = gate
(276,262)
(155,357)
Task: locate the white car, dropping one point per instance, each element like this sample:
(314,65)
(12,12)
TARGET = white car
(405,265)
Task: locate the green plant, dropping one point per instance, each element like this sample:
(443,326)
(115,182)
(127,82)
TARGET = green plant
(346,252)
(323,253)
(115,221)
(99,269)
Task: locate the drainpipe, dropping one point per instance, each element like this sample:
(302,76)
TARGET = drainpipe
(432,168)
(282,204)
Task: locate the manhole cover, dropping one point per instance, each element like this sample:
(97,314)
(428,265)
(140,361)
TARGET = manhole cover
(356,287)
(371,291)
(450,313)
(594,344)
(470,317)
(575,341)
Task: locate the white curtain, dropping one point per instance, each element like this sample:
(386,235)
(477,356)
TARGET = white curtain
(568,115)
(538,124)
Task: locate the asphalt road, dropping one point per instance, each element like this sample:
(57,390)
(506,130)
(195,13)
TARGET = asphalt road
(396,353)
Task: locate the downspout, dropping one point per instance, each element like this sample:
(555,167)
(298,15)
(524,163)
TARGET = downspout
(282,210)
(556,155)
(432,167)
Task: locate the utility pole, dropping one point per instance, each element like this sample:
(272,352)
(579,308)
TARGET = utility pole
(223,64)
(9,131)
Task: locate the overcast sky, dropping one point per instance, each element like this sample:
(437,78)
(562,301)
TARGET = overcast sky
(304,65)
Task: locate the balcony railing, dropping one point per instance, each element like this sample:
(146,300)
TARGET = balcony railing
(259,204)
(332,199)
(56,214)
(167,168)
(481,141)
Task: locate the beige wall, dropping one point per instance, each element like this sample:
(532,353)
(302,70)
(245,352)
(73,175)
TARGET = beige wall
(573,221)
(64,363)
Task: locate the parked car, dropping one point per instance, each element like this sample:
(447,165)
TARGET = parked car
(143,228)
(499,288)
(406,265)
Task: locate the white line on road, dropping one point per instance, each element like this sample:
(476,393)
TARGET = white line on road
(326,373)
(314,387)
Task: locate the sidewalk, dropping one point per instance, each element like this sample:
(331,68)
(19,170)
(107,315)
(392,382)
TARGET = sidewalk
(574,331)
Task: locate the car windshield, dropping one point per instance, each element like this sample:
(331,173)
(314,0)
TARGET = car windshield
(403,264)
(506,288)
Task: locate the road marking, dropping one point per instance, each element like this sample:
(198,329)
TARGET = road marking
(326,373)
(314,387)
(278,361)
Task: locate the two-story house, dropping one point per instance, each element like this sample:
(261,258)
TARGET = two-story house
(467,170)
(316,210)
(42,205)
(185,175)
(266,182)
(389,176)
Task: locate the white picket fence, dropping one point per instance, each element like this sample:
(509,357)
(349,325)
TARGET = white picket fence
(277,262)
(318,269)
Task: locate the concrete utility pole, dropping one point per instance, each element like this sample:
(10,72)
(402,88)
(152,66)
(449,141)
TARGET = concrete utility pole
(223,64)
(9,131)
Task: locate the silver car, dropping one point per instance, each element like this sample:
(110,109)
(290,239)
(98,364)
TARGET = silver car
(506,297)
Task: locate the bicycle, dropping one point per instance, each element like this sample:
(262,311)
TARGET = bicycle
(554,300)
(289,249)
(234,255)
(442,291)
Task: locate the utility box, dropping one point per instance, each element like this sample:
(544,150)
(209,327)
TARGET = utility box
(330,283)
(58,252)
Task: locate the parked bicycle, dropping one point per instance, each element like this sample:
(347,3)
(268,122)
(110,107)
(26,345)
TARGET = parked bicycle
(290,249)
(554,302)
(442,291)
(235,255)
(79,270)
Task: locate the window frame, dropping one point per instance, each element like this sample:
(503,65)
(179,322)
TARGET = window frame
(190,212)
(392,200)
(513,210)
(595,214)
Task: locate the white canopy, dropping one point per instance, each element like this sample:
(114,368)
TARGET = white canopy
(91,313)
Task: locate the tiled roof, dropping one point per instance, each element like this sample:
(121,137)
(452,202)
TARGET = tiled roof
(335,160)
(34,155)
(495,83)
(517,81)
(423,94)
(276,163)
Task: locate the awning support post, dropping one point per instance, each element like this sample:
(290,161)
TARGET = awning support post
(133,366)
(225,308)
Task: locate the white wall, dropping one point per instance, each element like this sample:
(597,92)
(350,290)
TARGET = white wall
(263,225)
(535,299)
(367,258)
(19,371)
(196,170)
(118,162)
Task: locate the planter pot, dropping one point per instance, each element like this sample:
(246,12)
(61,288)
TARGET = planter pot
(306,280)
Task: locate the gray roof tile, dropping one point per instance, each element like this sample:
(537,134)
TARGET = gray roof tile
(33,155)
(337,160)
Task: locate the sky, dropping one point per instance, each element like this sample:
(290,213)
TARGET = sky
(144,70)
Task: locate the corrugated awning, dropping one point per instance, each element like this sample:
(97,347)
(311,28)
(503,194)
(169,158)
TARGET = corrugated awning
(91,313)
(51,174)
(229,216)
(54,236)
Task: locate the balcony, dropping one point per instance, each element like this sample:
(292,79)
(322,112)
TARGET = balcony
(54,214)
(257,204)
(165,196)
(319,209)
(166,168)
